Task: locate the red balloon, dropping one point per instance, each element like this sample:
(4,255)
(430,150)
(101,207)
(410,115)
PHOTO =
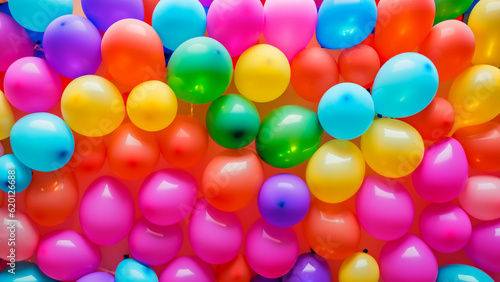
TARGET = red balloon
(89,155)
(236,270)
(359,64)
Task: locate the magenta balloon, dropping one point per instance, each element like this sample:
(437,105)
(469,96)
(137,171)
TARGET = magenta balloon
(443,172)
(187,269)
(237,24)
(104,13)
(66,255)
(481,197)
(445,227)
(384,208)
(26,235)
(14,40)
(484,245)
(153,244)
(407,259)
(106,211)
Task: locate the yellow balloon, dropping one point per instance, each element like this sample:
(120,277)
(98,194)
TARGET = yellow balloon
(152,105)
(475,95)
(335,172)
(359,267)
(392,148)
(92,106)
(262,73)
(484,21)
(6,117)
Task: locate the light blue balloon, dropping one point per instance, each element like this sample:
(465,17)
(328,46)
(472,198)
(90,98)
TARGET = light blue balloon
(177,21)
(42,141)
(346,111)
(25,272)
(345,23)
(36,15)
(462,273)
(405,85)
(130,270)
(14,173)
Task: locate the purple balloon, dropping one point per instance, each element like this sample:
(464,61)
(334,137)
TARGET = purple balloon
(104,13)
(484,245)
(97,277)
(309,267)
(14,41)
(72,46)
(284,200)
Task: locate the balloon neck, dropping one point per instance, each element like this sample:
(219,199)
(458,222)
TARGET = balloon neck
(365,251)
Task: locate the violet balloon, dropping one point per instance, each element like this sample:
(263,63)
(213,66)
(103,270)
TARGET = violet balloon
(97,277)
(186,269)
(481,197)
(105,13)
(484,245)
(12,50)
(309,267)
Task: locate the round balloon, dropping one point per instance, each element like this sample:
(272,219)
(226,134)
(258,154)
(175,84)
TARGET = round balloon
(480,197)
(26,234)
(130,270)
(25,271)
(97,277)
(359,64)
(36,15)
(483,247)
(89,155)
(12,50)
(457,273)
(14,175)
(236,270)
(482,19)
(104,13)
(192,269)
(359,267)
(309,267)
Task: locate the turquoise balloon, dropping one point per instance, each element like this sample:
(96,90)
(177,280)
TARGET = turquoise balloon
(14,173)
(177,21)
(42,141)
(36,15)
(130,270)
(25,272)
(405,85)
(462,273)
(346,111)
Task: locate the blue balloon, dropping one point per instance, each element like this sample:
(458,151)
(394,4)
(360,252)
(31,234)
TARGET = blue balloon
(36,15)
(309,267)
(462,273)
(42,141)
(345,23)
(177,21)
(405,85)
(346,111)
(130,270)
(14,174)
(25,272)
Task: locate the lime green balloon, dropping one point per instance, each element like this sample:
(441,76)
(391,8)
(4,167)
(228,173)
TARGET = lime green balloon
(288,136)
(450,9)
(199,70)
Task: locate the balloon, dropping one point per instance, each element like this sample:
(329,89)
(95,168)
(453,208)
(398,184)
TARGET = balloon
(359,64)
(338,180)
(31,85)
(12,50)
(178,21)
(346,111)
(481,196)
(482,19)
(104,13)
(461,273)
(484,247)
(36,15)
(14,175)
(405,85)
(359,267)
(51,197)
(167,196)
(6,116)
(67,255)
(233,121)
(184,142)
(42,141)
(133,52)
(392,148)
(236,270)
(343,24)
(232,179)
(152,244)
(130,270)
(215,236)
(331,230)
(25,271)
(185,269)
(26,235)
(288,136)
(237,24)
(384,208)
(271,251)
(443,173)
(89,155)
(262,73)
(313,72)
(309,267)
(448,9)
(284,200)
(97,277)
(199,70)
(149,6)
(132,153)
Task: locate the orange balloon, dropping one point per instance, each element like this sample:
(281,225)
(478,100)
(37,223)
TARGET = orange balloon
(184,142)
(331,230)
(232,179)
(89,155)
(450,46)
(132,153)
(359,64)
(236,270)
(133,52)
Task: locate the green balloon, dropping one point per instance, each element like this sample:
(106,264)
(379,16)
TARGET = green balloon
(233,121)
(288,136)
(450,9)
(200,70)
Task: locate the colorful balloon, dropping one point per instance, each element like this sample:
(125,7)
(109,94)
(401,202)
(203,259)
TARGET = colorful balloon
(6,117)
(447,9)
(481,196)
(26,235)
(236,270)
(12,50)
(14,175)
(36,15)
(359,267)
(309,267)
(461,272)
(484,247)
(105,13)
(97,277)
(89,155)
(187,268)
(26,271)
(130,270)
(359,64)
(259,278)
(482,19)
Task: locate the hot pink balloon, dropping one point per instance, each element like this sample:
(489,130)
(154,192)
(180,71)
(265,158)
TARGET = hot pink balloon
(25,233)
(445,227)
(484,245)
(66,255)
(407,259)
(481,197)
(443,172)
(153,244)
(187,269)
(14,40)
(384,208)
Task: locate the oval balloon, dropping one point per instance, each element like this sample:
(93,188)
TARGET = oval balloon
(104,13)
(192,269)
(36,15)
(89,155)
(484,247)
(359,64)
(456,273)
(26,235)
(13,50)
(130,270)
(309,267)
(483,17)
(359,267)
(480,197)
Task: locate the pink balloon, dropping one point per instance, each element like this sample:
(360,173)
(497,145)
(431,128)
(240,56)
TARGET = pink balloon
(443,172)
(106,211)
(14,40)
(152,244)
(25,233)
(290,25)
(66,255)
(407,259)
(481,197)
(167,196)
(216,236)
(271,251)
(187,269)
(237,24)
(445,227)
(31,85)
(484,245)
(384,208)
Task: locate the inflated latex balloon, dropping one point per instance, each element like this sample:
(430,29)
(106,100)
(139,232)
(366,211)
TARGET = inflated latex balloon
(448,9)
(461,273)
(187,268)
(359,64)
(36,15)
(25,271)
(26,235)
(482,20)
(12,50)
(392,148)
(484,247)
(6,117)
(443,173)
(89,155)
(481,196)
(97,277)
(288,136)
(359,267)
(130,270)
(262,73)
(236,270)
(14,175)
(104,13)
(309,267)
